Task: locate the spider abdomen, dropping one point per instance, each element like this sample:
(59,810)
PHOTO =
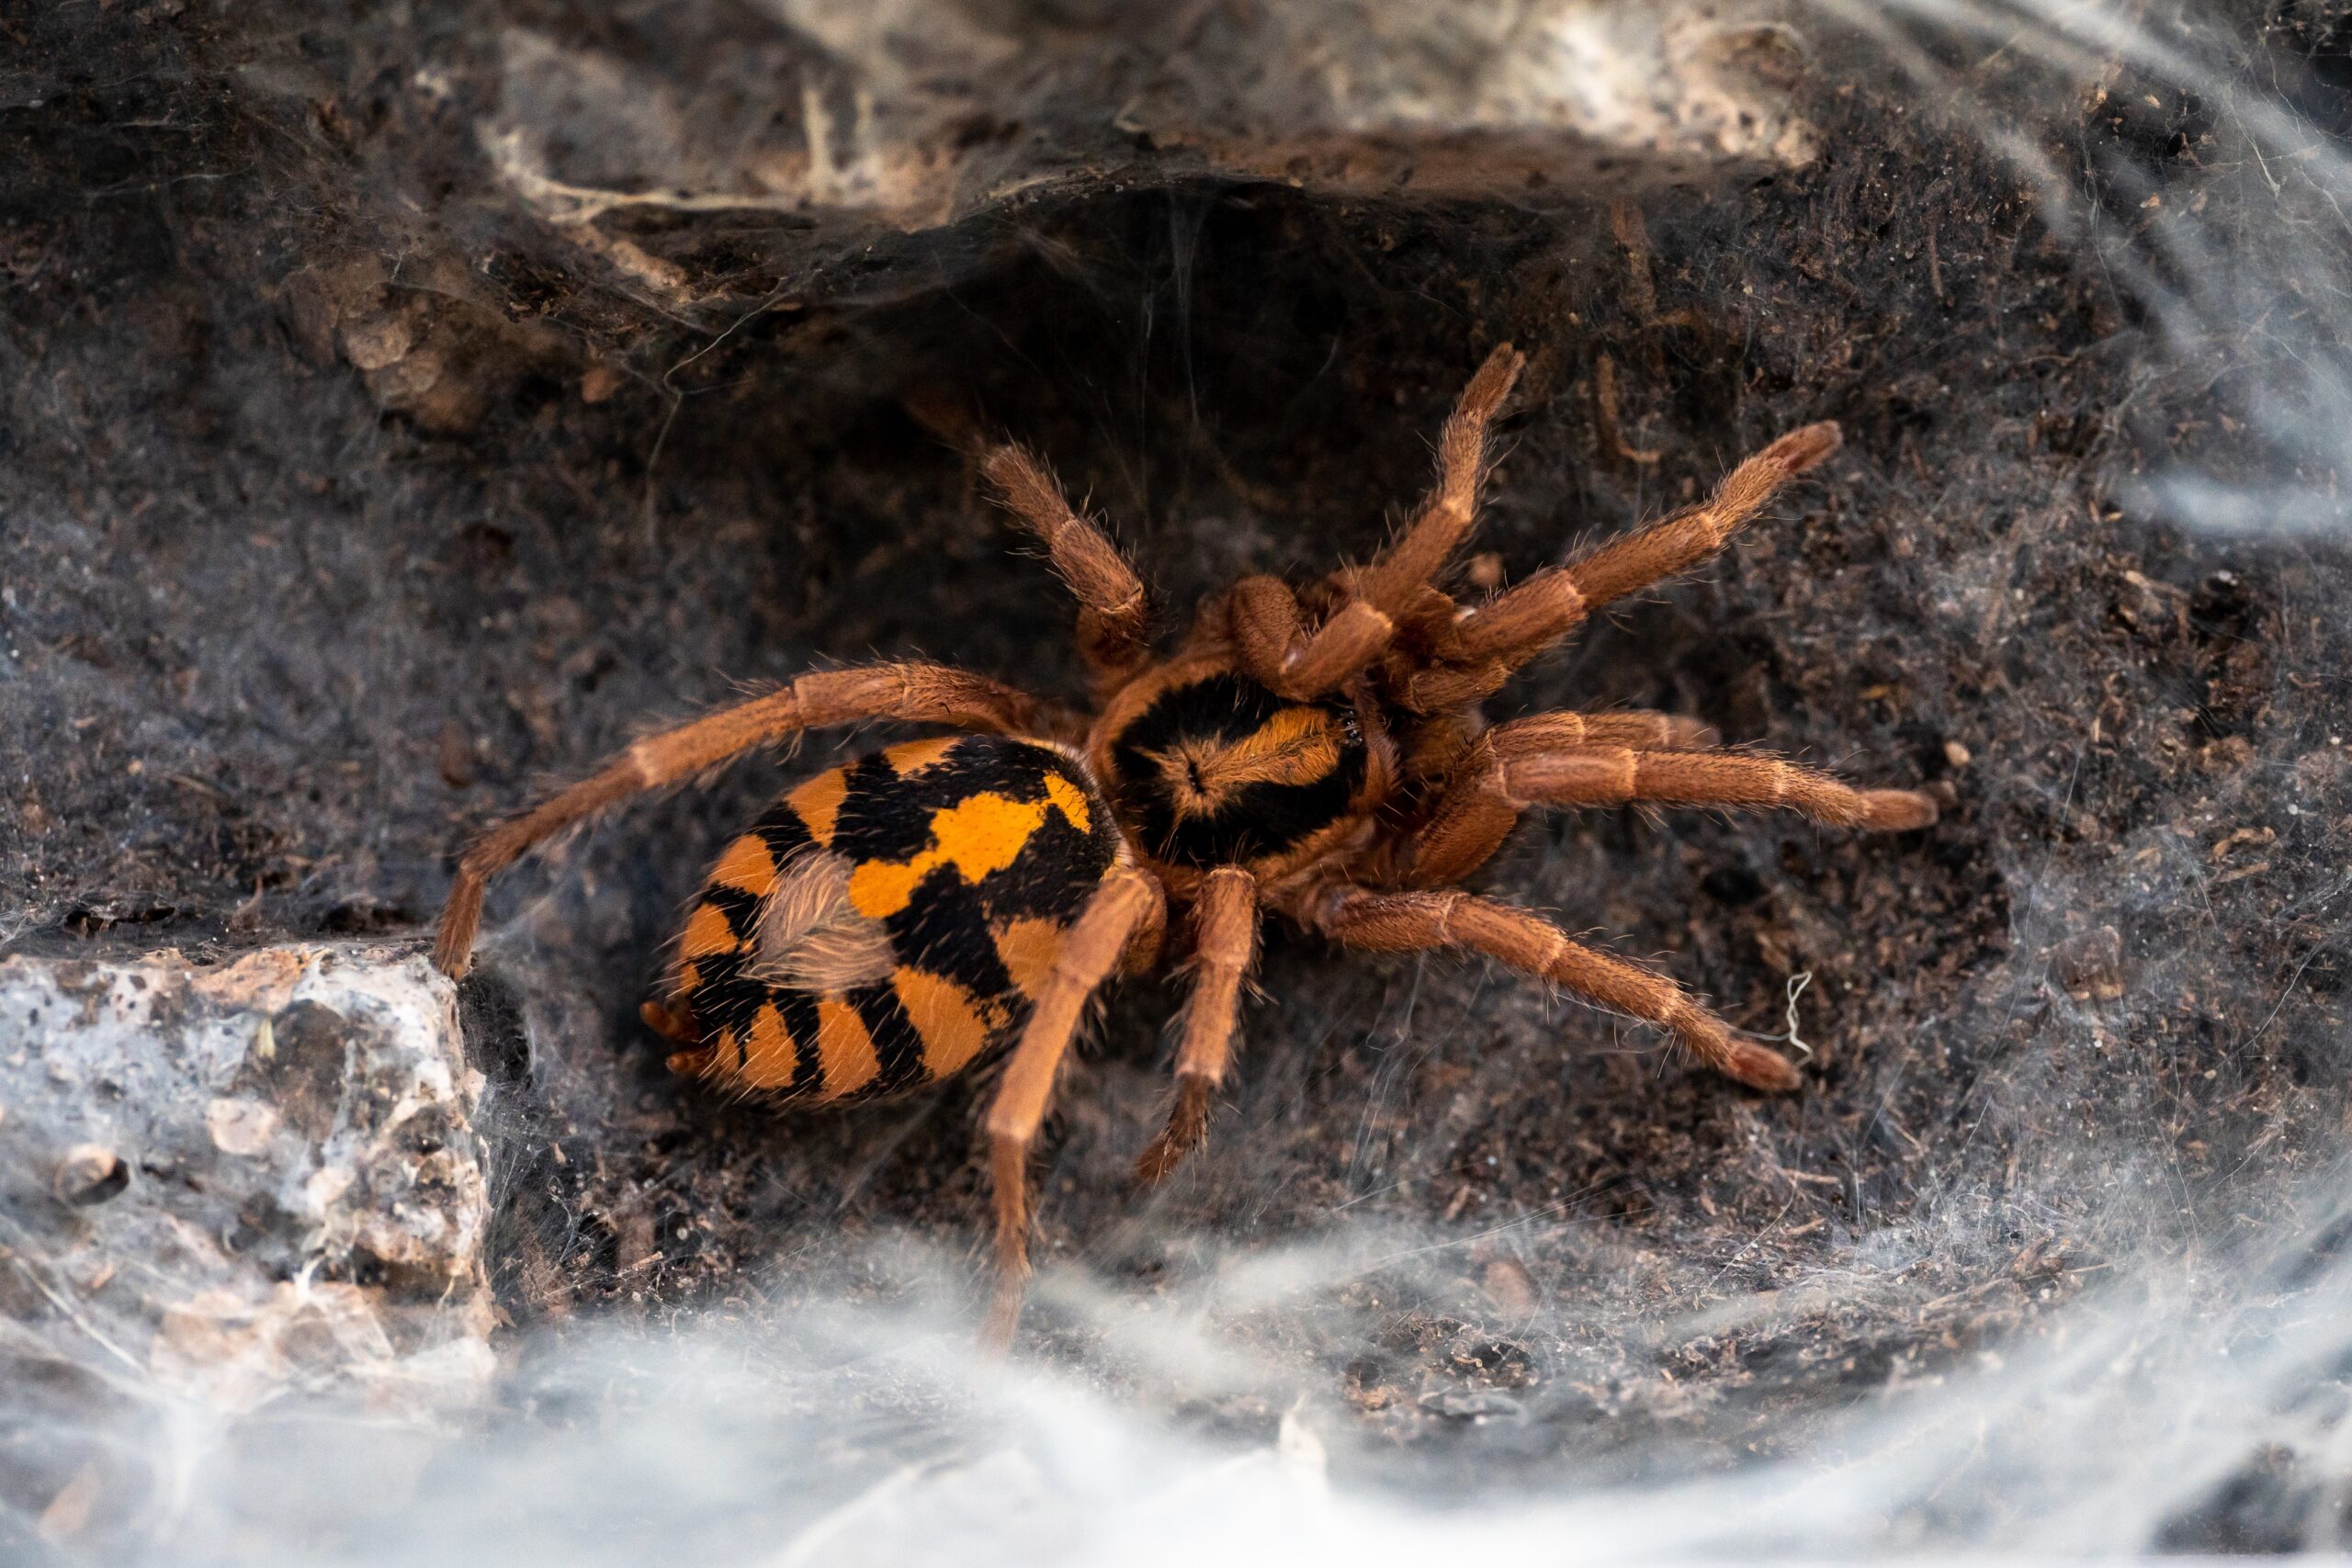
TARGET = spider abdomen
(1210,768)
(885,924)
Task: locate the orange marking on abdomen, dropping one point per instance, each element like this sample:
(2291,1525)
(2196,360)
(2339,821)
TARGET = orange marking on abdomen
(719,1057)
(770,1056)
(844,1048)
(978,837)
(1072,801)
(818,803)
(1027,947)
(943,1012)
(914,756)
(746,866)
(707,932)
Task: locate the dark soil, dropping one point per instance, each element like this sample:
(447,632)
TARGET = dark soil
(273,649)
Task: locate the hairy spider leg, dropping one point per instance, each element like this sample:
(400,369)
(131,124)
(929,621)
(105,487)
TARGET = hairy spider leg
(1265,624)
(1225,944)
(1488,644)
(1268,634)
(1120,911)
(924,693)
(1114,609)
(1564,759)
(1642,728)
(1444,518)
(1440,742)
(1415,922)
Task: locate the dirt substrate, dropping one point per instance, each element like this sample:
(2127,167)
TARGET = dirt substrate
(271,651)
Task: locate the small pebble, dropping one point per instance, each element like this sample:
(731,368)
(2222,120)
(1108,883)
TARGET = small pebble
(240,1127)
(599,381)
(1478,1404)
(1959,756)
(90,1174)
(1508,1286)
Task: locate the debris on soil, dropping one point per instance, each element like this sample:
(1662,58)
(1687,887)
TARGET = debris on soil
(353,493)
(223,1187)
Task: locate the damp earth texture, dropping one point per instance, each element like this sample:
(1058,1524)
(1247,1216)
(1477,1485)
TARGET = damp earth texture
(402,412)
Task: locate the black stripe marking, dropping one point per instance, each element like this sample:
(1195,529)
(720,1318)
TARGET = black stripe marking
(798,1010)
(785,833)
(742,908)
(944,928)
(1058,870)
(727,998)
(888,816)
(898,1047)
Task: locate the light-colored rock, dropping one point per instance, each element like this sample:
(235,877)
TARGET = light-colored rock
(855,116)
(223,1185)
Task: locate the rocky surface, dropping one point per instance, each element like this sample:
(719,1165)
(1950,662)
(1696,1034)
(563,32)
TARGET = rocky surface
(355,487)
(533,192)
(226,1189)
(921,112)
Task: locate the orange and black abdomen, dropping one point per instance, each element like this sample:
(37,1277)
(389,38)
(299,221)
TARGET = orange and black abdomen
(1217,770)
(887,924)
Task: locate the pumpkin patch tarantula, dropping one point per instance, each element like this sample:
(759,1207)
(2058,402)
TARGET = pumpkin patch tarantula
(1317,753)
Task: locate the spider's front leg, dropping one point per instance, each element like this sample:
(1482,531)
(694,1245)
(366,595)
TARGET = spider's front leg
(1485,646)
(1269,632)
(1121,914)
(1274,647)
(1566,758)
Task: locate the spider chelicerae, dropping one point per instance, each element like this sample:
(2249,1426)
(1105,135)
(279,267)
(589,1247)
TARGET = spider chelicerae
(1316,752)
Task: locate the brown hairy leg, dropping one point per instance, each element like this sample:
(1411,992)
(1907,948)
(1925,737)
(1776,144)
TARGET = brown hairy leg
(1444,519)
(1612,775)
(1358,631)
(1263,618)
(1089,950)
(1555,760)
(925,694)
(1113,610)
(1639,727)
(1476,813)
(1415,922)
(1274,649)
(1224,924)
(1339,648)
(1486,645)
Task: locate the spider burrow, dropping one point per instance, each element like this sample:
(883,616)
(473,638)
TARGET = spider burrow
(1315,752)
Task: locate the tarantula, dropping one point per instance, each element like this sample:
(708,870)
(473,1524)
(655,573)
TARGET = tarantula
(1315,752)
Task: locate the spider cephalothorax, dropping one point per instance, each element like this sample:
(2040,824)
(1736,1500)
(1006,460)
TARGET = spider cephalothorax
(1318,753)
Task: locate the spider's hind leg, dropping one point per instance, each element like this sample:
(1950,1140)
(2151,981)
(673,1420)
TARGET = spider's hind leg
(921,694)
